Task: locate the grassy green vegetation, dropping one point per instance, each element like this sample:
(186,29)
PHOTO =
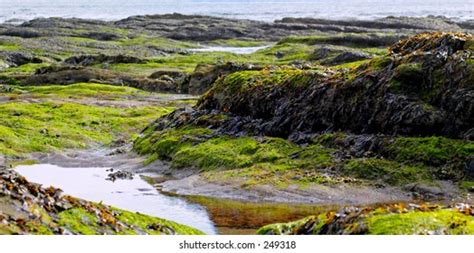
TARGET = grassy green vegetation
(430,150)
(468,185)
(43,127)
(83,90)
(8,46)
(66,46)
(385,170)
(29,68)
(79,221)
(351,65)
(285,52)
(54,124)
(244,80)
(380,222)
(256,161)
(252,161)
(447,221)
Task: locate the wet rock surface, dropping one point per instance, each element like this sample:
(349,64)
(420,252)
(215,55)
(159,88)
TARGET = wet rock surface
(119,175)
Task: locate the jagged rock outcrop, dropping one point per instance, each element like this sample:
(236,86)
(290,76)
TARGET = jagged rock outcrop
(423,87)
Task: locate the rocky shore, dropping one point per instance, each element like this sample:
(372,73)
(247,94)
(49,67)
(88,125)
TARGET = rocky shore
(129,51)
(398,119)
(327,112)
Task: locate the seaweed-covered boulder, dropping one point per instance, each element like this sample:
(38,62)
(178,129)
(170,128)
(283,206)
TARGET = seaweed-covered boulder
(392,219)
(423,87)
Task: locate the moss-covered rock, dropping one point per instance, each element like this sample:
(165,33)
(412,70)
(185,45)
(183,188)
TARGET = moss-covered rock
(399,219)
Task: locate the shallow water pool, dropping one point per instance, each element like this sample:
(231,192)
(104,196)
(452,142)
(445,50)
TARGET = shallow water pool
(132,195)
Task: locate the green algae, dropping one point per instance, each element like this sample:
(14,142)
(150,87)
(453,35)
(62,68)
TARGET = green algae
(144,221)
(164,144)
(429,150)
(84,90)
(378,222)
(387,171)
(278,162)
(267,160)
(442,221)
(44,126)
(7,46)
(29,68)
(78,221)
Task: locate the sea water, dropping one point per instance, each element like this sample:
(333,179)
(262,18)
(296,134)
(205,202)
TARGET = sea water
(267,10)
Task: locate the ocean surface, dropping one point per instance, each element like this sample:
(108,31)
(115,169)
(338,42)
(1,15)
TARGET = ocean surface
(268,10)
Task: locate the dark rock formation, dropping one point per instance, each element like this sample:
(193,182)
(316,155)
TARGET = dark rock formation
(75,74)
(15,59)
(422,88)
(88,60)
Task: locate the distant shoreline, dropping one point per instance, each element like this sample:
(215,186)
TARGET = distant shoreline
(19,21)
